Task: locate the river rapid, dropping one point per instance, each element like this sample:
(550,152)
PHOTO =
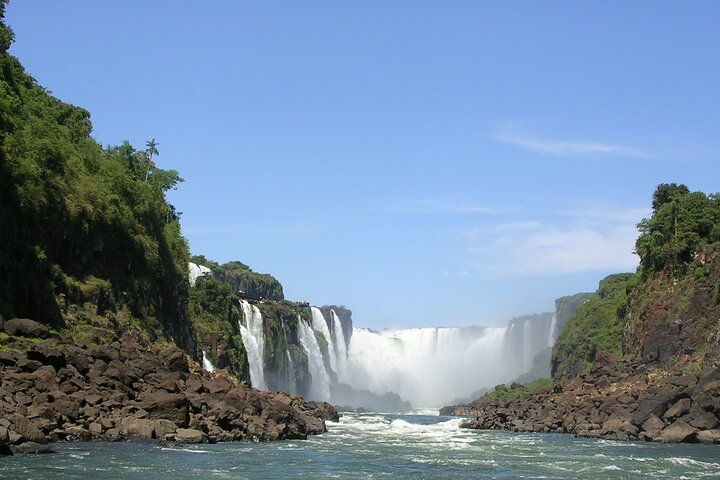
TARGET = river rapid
(418,446)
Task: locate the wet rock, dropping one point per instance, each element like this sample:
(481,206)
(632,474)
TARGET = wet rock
(24,327)
(32,448)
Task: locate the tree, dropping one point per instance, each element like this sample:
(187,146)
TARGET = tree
(150,151)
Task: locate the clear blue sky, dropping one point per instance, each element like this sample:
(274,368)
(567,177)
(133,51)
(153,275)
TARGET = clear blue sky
(423,163)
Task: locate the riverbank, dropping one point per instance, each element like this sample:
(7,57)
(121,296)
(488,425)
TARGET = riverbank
(94,384)
(612,401)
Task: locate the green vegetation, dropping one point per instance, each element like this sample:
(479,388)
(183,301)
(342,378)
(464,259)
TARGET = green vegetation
(239,277)
(216,318)
(597,325)
(517,390)
(682,224)
(82,224)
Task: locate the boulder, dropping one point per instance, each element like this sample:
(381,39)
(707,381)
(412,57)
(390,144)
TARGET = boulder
(709,436)
(679,431)
(47,355)
(24,327)
(27,431)
(176,361)
(652,427)
(703,420)
(137,427)
(189,435)
(679,408)
(169,406)
(32,448)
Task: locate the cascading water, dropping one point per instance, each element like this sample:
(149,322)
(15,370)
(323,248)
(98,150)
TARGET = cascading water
(435,366)
(340,347)
(552,335)
(320,325)
(320,380)
(206,364)
(253,339)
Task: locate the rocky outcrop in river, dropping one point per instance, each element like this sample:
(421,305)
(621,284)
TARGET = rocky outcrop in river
(612,401)
(95,385)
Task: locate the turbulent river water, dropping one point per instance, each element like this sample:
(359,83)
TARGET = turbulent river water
(419,446)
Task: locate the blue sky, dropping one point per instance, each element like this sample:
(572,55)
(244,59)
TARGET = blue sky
(423,163)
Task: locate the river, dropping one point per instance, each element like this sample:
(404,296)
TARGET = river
(418,446)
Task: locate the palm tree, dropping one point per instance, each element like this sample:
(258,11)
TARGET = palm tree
(150,151)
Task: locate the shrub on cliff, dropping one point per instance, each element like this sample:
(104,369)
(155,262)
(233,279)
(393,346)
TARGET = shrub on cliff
(597,325)
(682,223)
(84,229)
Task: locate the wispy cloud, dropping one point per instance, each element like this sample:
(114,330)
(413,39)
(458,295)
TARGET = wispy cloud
(436,207)
(570,147)
(594,242)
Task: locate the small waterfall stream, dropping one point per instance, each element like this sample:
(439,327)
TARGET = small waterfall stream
(320,380)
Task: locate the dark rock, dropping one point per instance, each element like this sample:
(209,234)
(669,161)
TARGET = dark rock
(80,361)
(8,358)
(652,427)
(47,355)
(24,327)
(32,448)
(28,365)
(176,361)
(656,405)
(169,406)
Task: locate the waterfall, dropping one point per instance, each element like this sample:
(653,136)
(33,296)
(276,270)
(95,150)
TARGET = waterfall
(553,326)
(206,364)
(320,325)
(340,347)
(196,271)
(253,339)
(319,378)
(435,366)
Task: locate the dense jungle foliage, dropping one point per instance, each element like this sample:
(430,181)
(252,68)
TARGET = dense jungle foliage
(85,231)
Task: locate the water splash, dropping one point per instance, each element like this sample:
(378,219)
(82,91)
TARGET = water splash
(206,364)
(320,380)
(340,347)
(253,338)
(320,325)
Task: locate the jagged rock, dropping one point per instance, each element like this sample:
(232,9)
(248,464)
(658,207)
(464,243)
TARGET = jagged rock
(24,327)
(176,361)
(703,420)
(679,431)
(76,432)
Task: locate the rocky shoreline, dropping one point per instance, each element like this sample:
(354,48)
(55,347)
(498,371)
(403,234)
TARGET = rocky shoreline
(613,401)
(93,384)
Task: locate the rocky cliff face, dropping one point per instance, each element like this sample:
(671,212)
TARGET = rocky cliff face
(671,315)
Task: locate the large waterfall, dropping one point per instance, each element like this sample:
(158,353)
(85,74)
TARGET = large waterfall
(426,366)
(253,338)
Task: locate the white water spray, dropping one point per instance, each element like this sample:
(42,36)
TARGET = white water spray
(340,348)
(320,380)
(320,325)
(253,338)
(206,364)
